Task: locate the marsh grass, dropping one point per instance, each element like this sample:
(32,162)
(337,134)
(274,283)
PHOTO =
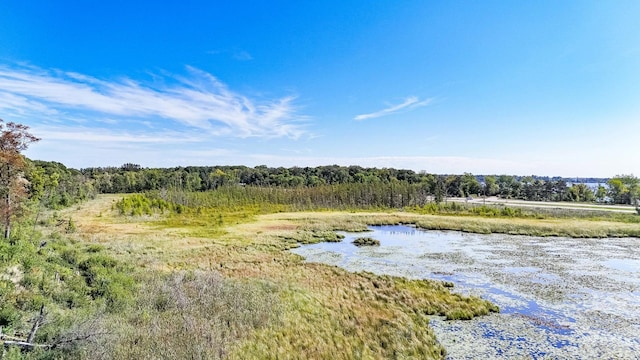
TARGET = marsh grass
(342,315)
(576,228)
(530,212)
(210,212)
(309,310)
(188,315)
(366,241)
(314,311)
(311,237)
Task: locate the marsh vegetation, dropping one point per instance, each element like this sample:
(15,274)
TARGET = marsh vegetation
(366,241)
(207,274)
(107,266)
(559,297)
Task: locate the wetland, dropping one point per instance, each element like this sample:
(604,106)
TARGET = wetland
(158,255)
(559,297)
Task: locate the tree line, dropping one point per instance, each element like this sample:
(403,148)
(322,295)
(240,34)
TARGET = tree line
(53,185)
(130,178)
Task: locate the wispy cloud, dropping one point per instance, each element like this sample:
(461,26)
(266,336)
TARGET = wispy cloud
(197,100)
(411,102)
(242,55)
(95,136)
(236,54)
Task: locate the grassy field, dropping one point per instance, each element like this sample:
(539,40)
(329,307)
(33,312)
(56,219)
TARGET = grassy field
(273,304)
(319,311)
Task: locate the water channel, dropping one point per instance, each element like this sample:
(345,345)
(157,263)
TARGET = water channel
(560,298)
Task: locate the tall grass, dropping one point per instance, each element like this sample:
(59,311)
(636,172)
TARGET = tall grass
(99,307)
(327,312)
(501,211)
(186,315)
(209,212)
(266,302)
(350,197)
(335,197)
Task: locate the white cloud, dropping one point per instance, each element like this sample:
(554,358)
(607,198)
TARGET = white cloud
(411,102)
(242,55)
(96,136)
(80,146)
(198,101)
(21,106)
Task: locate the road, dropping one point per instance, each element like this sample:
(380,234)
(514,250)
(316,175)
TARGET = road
(549,205)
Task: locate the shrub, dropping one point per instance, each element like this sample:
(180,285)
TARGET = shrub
(190,315)
(366,241)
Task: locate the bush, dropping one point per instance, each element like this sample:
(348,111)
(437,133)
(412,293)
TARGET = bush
(366,241)
(138,205)
(108,280)
(9,316)
(189,315)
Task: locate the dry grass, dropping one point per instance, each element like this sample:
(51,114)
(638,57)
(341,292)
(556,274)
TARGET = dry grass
(577,228)
(188,315)
(326,312)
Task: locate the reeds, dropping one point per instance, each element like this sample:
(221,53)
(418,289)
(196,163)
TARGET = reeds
(307,310)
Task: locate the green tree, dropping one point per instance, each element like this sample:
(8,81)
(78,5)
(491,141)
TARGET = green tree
(439,190)
(601,193)
(217,178)
(469,185)
(506,185)
(624,189)
(490,186)
(14,139)
(580,192)
(193,182)
(453,185)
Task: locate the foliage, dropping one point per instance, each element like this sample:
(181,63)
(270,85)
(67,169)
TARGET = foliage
(624,189)
(580,192)
(366,241)
(131,178)
(66,277)
(99,306)
(455,208)
(137,205)
(14,138)
(54,186)
(187,315)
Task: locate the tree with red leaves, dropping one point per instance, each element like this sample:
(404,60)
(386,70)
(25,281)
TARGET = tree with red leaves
(14,138)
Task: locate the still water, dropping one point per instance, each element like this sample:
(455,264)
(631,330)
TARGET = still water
(559,297)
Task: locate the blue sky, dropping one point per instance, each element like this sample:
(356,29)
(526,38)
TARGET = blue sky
(544,87)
